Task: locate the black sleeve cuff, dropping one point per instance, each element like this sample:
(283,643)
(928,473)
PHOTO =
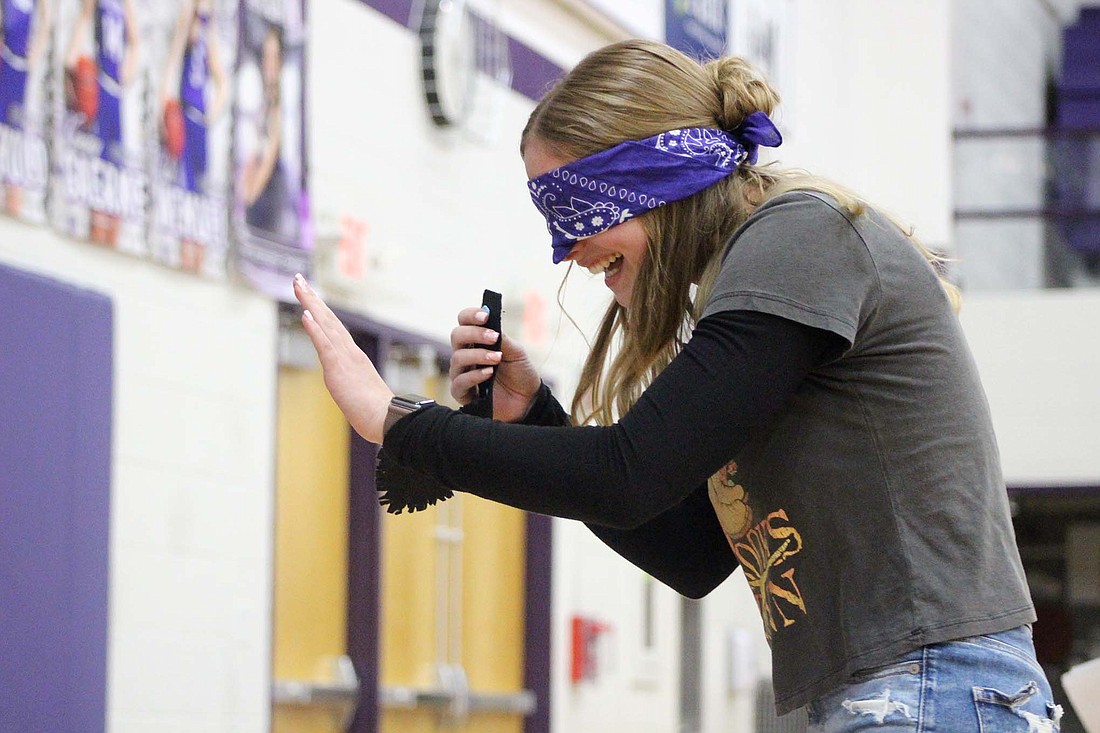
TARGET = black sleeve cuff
(546,410)
(401,488)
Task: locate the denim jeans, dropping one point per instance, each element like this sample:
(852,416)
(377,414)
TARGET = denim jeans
(980,684)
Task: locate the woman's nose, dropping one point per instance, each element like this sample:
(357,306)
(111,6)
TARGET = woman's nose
(578,247)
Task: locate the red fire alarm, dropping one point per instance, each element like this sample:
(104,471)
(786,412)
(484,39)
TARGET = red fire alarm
(586,634)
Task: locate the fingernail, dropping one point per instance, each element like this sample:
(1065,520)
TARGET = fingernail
(493,356)
(491,335)
(308,315)
(487,371)
(482,315)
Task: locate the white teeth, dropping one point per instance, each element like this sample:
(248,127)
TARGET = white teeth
(599,267)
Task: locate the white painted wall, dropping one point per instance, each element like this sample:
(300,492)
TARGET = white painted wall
(868,103)
(636,689)
(191,488)
(1040,363)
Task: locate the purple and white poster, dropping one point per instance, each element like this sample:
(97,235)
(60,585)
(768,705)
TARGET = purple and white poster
(192,59)
(271,220)
(24,65)
(99,183)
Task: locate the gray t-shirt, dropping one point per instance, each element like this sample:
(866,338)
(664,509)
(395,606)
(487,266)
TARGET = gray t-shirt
(871,517)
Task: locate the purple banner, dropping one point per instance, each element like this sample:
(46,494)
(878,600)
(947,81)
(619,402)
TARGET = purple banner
(192,55)
(99,182)
(271,221)
(25,27)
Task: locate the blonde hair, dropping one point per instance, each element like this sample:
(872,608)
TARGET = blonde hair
(636,89)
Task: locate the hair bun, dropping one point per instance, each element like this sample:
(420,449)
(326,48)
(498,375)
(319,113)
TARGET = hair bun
(740,89)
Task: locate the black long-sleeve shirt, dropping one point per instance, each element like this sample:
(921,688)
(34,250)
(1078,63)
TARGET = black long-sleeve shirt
(641,484)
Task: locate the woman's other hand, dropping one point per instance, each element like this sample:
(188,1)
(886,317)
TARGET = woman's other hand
(472,362)
(350,377)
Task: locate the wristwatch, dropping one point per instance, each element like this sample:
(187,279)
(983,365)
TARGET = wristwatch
(402,405)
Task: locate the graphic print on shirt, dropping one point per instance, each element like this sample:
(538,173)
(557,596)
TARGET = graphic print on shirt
(763,548)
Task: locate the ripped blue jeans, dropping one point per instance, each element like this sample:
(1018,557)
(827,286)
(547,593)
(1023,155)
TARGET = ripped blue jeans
(980,684)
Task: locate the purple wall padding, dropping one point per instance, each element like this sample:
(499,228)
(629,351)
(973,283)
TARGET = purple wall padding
(55,465)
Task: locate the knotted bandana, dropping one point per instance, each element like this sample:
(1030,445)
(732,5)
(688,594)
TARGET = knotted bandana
(593,194)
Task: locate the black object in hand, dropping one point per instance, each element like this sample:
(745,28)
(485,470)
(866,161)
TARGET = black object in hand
(483,405)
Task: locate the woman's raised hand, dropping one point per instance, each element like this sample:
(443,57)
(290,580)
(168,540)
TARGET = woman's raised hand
(472,362)
(350,377)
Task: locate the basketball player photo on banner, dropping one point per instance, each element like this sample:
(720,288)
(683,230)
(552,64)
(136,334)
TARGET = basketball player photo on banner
(99,181)
(24,64)
(271,215)
(192,60)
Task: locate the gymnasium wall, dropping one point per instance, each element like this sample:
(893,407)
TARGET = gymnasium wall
(870,102)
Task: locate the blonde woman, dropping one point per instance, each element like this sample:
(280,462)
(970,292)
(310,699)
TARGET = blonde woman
(811,415)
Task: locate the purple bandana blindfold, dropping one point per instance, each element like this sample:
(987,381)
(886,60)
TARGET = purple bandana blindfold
(593,194)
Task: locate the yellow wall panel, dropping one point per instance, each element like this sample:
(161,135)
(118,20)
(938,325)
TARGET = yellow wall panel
(493,596)
(311,537)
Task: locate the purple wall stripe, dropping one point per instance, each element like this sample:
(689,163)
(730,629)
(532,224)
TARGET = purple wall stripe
(364,580)
(398,11)
(532,73)
(537,604)
(55,449)
(364,531)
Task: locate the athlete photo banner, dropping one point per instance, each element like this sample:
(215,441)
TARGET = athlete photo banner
(271,222)
(192,58)
(99,182)
(25,27)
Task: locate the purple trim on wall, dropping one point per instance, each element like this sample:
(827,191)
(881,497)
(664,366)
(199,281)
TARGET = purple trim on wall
(399,11)
(532,73)
(56,398)
(364,577)
(1055,490)
(364,530)
(537,607)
